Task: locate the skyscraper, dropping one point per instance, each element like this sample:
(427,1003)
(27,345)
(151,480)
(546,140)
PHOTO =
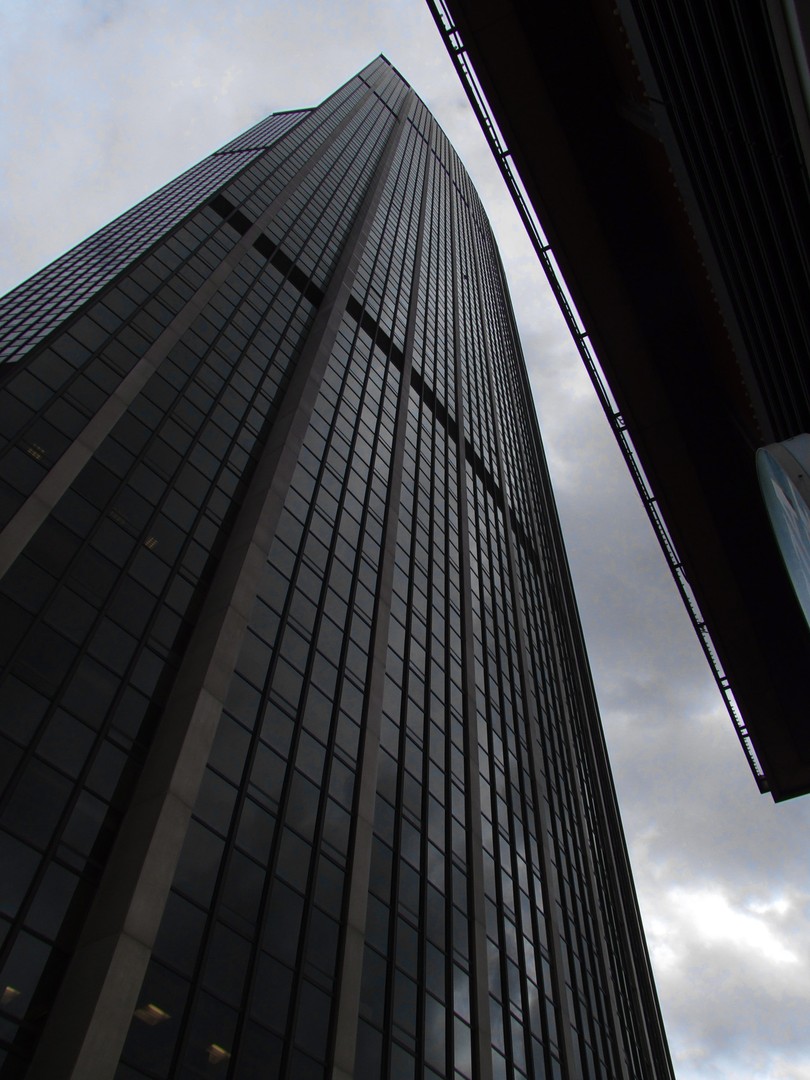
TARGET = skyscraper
(305,774)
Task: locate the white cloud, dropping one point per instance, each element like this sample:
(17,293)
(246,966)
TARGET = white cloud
(780,905)
(708,916)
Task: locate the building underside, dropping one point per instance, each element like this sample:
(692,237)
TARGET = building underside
(663,149)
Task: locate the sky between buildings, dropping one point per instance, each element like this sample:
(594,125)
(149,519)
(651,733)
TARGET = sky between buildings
(101,103)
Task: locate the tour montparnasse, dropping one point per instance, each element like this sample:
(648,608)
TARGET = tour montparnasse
(306,777)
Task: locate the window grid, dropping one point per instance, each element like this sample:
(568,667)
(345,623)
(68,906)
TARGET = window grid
(265,697)
(40,304)
(233,325)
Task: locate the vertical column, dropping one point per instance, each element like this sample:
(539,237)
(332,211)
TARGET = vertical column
(482,1039)
(91,1016)
(351,965)
(571,1057)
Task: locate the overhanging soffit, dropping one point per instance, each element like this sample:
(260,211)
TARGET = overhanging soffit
(663,148)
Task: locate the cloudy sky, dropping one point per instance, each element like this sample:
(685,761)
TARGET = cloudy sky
(101,103)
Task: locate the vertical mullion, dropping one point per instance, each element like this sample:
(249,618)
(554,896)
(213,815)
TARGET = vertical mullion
(481,1029)
(350,965)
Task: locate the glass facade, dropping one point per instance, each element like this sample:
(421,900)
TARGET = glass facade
(303,774)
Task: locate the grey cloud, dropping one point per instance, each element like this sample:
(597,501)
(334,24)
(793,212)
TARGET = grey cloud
(105,103)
